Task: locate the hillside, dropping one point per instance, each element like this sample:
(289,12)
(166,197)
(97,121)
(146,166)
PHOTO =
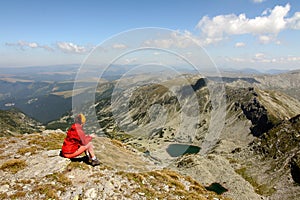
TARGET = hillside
(30,168)
(14,122)
(37,99)
(288,83)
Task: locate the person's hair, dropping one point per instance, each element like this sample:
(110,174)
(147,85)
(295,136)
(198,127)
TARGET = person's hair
(80,119)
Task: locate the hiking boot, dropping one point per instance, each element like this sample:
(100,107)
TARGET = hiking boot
(86,159)
(95,162)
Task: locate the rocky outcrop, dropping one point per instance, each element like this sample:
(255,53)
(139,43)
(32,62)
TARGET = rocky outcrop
(247,100)
(258,115)
(295,168)
(282,140)
(271,163)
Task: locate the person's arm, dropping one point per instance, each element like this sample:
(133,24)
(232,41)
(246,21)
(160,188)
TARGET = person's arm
(85,139)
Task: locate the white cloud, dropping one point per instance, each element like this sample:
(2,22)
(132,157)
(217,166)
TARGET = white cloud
(119,46)
(266,12)
(294,22)
(70,47)
(271,22)
(263,58)
(258,1)
(240,44)
(265,39)
(259,56)
(32,45)
(130,60)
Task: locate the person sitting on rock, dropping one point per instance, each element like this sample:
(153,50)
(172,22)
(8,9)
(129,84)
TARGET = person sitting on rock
(77,142)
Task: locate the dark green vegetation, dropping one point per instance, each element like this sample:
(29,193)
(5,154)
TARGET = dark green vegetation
(36,99)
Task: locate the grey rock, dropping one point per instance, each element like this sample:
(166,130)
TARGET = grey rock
(91,193)
(4,188)
(52,153)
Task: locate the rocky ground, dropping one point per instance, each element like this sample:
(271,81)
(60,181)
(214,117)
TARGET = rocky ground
(31,168)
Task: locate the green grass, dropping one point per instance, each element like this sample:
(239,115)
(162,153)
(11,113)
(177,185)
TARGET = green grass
(261,189)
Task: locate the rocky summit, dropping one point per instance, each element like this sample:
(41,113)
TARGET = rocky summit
(31,168)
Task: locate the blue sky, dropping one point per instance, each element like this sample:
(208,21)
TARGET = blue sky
(260,34)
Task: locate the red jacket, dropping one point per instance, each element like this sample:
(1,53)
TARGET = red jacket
(75,138)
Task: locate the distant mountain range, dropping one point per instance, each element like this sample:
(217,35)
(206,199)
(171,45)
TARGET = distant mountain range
(251,71)
(44,93)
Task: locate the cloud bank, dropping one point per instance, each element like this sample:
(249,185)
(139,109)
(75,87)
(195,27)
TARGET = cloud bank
(66,47)
(31,45)
(267,26)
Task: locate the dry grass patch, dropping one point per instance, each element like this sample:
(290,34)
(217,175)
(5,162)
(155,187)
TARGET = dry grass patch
(25,150)
(49,142)
(77,165)
(13,165)
(24,181)
(149,182)
(60,178)
(50,191)
(3,195)
(117,143)
(18,195)
(12,141)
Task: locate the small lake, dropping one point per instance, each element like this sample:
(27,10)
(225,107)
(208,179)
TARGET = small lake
(176,150)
